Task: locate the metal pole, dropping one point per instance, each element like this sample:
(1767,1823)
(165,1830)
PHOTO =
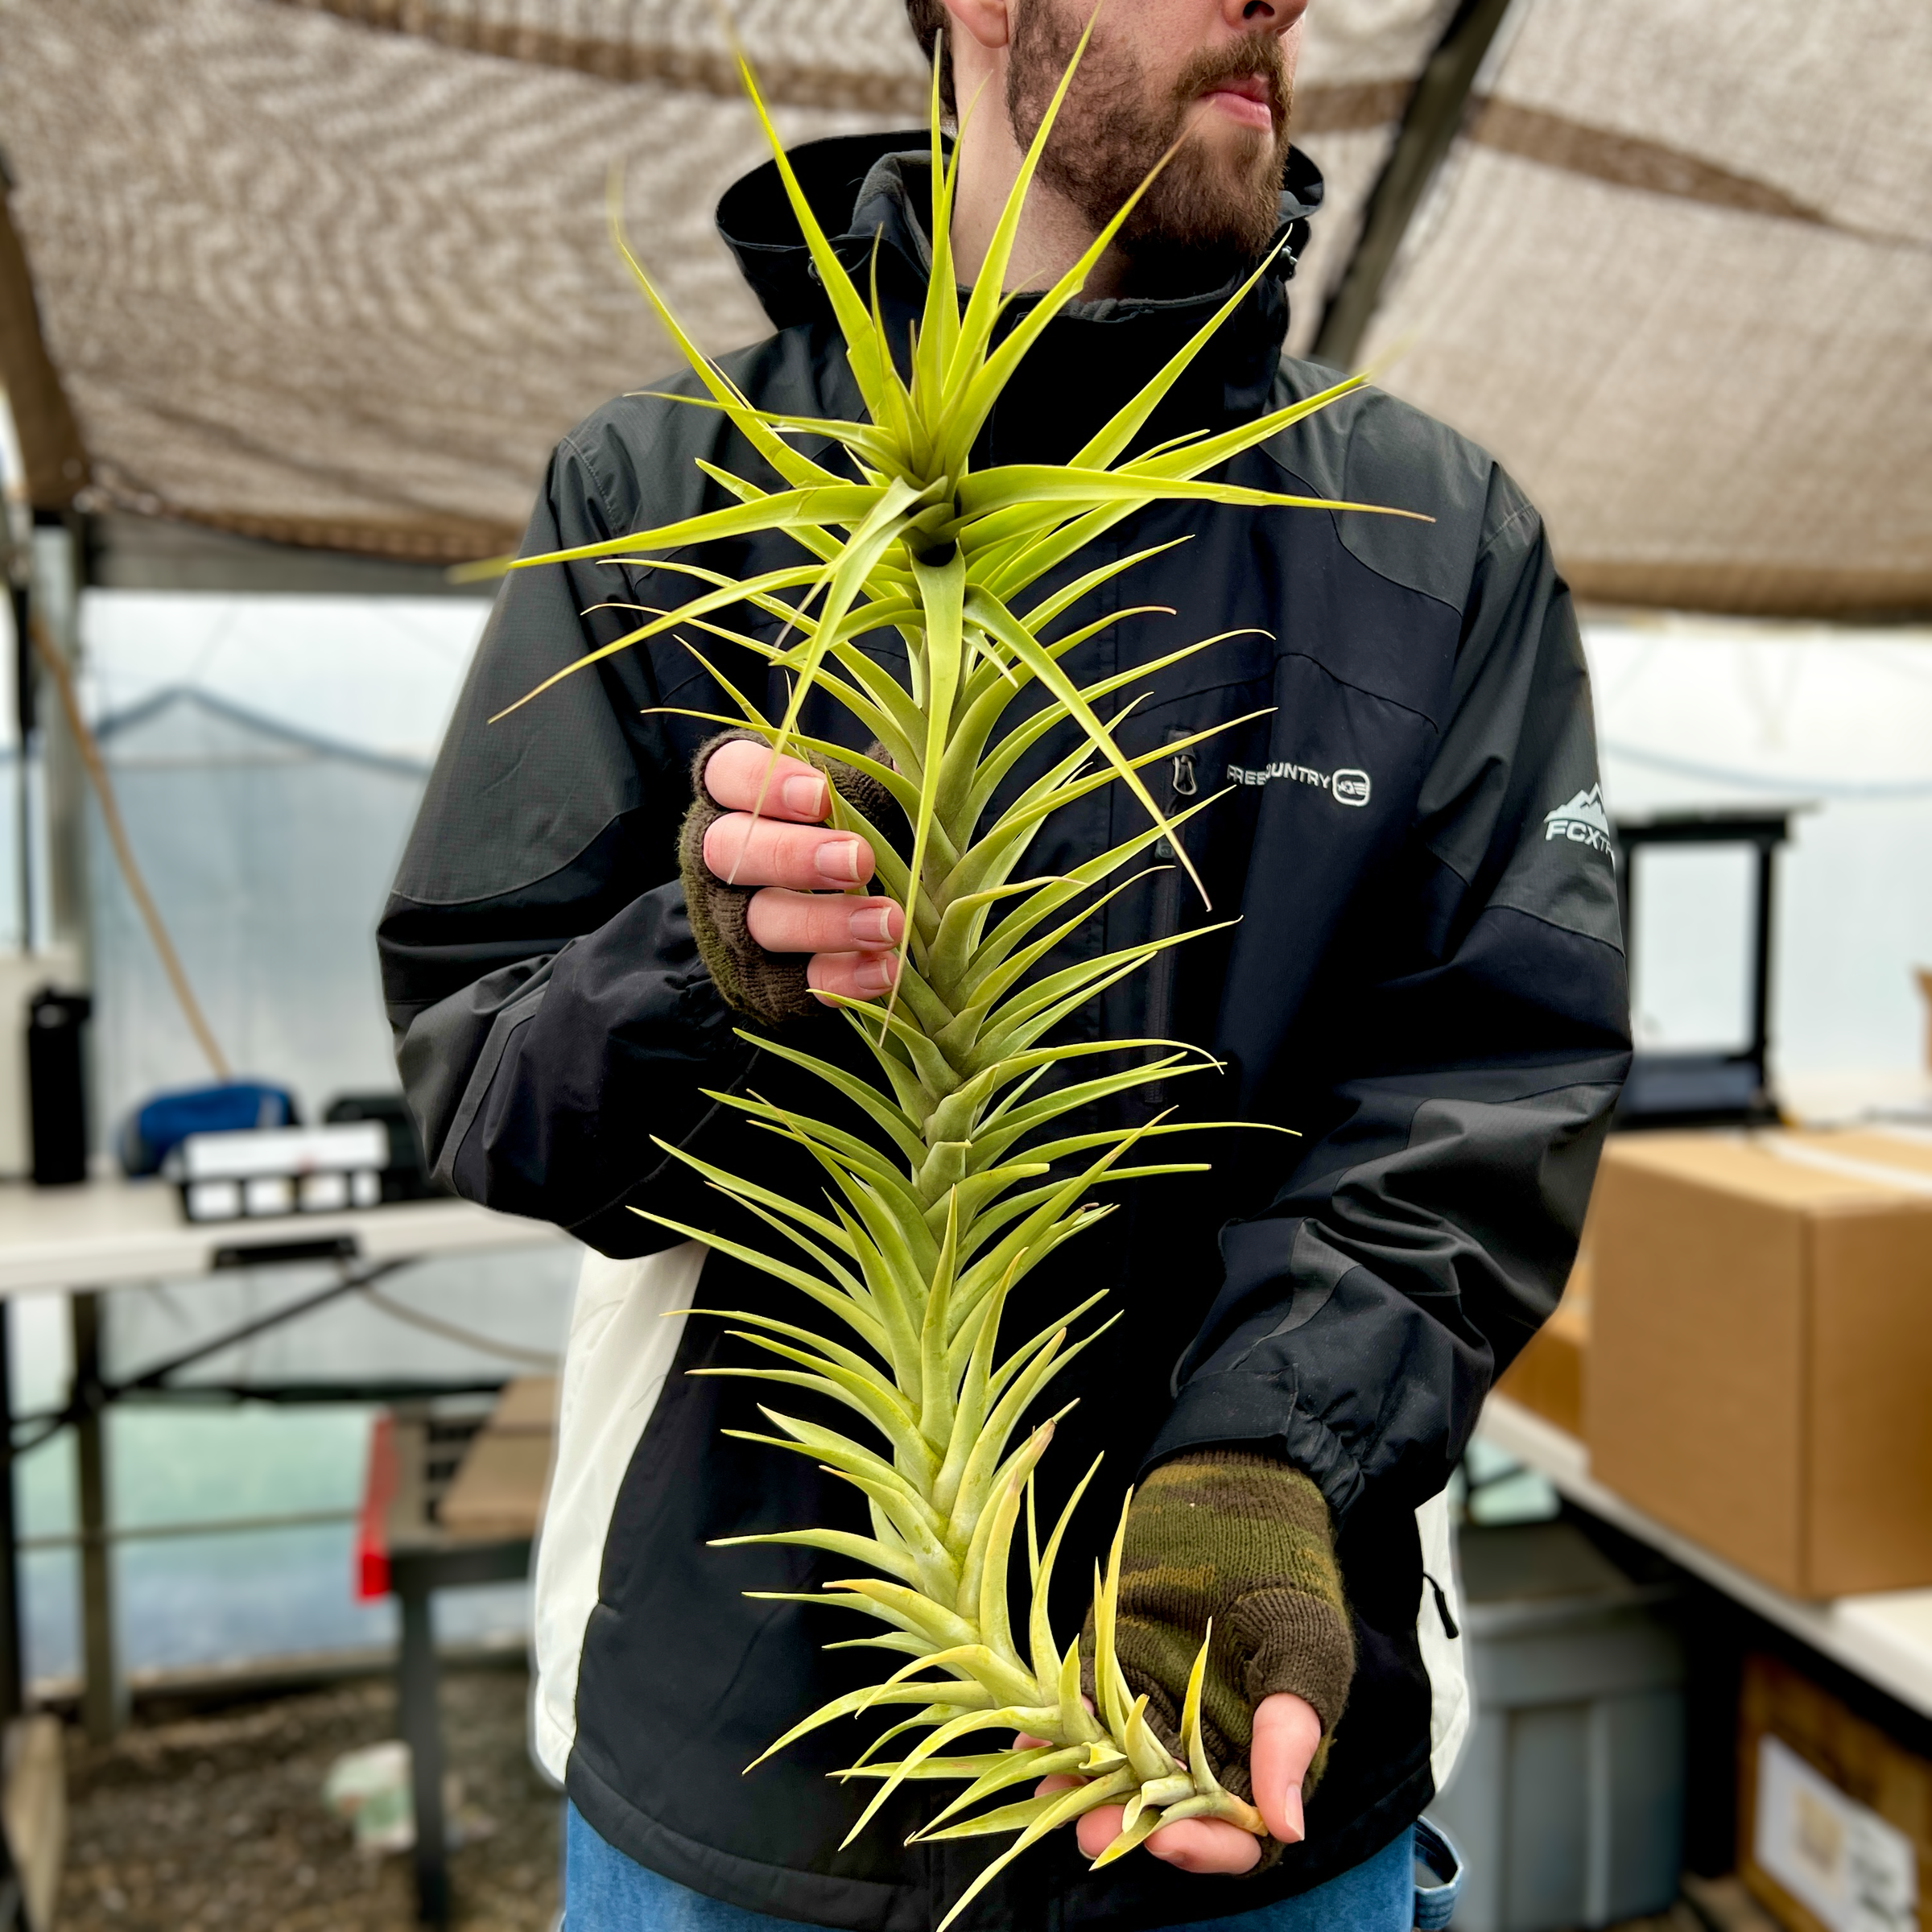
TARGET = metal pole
(1430,123)
(420,1724)
(23,724)
(104,1699)
(1761,976)
(12,1684)
(55,608)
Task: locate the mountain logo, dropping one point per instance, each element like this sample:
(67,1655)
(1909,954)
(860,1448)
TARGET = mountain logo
(1583,821)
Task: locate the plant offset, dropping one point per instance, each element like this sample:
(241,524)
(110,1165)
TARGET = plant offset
(930,1225)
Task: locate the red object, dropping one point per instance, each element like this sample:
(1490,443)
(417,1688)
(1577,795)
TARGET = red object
(371,1528)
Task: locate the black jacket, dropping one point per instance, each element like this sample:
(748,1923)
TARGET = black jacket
(1427,981)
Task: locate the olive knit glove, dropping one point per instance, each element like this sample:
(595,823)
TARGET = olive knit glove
(767,987)
(1245,1539)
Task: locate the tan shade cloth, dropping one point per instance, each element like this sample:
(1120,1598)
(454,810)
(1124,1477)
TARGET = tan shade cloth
(336,286)
(336,272)
(1677,273)
(856,53)
(1358,64)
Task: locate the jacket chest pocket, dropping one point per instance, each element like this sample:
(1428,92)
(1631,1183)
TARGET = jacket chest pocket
(1181,772)
(1194,744)
(1196,874)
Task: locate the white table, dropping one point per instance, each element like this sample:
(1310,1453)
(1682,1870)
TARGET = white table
(1885,1638)
(113,1233)
(105,1233)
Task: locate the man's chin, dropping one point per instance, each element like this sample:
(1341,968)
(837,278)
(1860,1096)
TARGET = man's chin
(1214,208)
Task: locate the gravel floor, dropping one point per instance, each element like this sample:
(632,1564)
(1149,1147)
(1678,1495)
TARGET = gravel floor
(206,1822)
(217,1821)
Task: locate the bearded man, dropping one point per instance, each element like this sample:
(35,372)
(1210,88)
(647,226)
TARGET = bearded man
(1427,981)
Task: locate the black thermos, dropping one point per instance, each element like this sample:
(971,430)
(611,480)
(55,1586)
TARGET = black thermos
(56,1086)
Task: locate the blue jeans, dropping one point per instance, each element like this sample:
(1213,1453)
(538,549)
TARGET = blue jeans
(605,1891)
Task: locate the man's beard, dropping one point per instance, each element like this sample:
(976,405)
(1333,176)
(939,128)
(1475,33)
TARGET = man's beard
(1112,130)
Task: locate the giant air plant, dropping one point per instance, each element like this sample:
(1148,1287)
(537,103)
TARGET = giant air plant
(933,1221)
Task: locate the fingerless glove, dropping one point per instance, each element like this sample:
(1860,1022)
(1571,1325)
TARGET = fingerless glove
(768,988)
(1245,1539)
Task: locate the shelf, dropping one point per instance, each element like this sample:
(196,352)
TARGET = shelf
(1886,1638)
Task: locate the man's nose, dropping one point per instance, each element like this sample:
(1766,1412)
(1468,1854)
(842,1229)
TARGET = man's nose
(1267,16)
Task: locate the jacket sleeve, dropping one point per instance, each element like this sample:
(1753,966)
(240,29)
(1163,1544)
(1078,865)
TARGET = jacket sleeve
(1469,1043)
(550,1010)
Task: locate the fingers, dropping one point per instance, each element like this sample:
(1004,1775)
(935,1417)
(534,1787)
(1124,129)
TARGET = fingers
(851,976)
(1097,1829)
(1206,1844)
(765,851)
(744,777)
(821,922)
(1286,1732)
(1060,1782)
(1195,1844)
(786,843)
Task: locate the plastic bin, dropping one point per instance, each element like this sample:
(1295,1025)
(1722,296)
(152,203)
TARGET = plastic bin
(1568,1804)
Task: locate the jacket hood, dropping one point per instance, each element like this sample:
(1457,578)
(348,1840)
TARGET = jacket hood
(874,190)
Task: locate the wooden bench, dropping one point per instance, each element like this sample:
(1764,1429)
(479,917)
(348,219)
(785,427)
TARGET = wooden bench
(450,1501)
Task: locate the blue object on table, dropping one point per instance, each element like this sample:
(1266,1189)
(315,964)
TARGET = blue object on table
(153,1131)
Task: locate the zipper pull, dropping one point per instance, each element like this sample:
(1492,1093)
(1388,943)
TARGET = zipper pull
(1450,1629)
(1180,786)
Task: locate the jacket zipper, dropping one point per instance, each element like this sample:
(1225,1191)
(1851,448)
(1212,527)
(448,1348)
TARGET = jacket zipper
(1181,784)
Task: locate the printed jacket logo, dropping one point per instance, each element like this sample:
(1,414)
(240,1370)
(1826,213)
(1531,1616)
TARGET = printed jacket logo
(1583,821)
(1348,787)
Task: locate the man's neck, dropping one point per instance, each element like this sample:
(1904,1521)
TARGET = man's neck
(1053,233)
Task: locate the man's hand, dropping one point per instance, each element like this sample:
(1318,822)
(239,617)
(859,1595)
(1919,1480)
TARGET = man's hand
(805,869)
(1287,1731)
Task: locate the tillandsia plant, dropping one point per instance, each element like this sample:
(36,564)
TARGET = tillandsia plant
(968,1181)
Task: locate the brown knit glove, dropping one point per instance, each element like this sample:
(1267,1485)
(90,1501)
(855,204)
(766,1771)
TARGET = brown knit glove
(1243,1538)
(767,987)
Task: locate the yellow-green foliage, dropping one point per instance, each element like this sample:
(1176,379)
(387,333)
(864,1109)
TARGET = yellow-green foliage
(930,1226)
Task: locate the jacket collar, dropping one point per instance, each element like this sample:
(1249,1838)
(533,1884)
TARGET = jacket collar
(870,191)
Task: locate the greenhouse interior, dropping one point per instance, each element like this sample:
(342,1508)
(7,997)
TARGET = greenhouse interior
(1445,489)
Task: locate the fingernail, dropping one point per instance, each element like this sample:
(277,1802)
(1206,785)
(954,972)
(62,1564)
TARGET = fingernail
(1297,1823)
(875,975)
(804,795)
(872,924)
(838,859)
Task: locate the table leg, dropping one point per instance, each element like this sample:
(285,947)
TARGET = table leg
(13,1676)
(13,1900)
(422,1731)
(13,1694)
(104,1701)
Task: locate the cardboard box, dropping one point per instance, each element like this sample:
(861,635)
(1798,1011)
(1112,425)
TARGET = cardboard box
(1760,1349)
(1548,1376)
(1834,1818)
